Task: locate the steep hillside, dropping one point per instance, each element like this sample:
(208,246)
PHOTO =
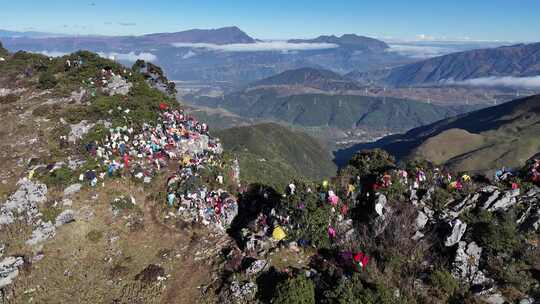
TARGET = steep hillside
(83,214)
(520,60)
(504,135)
(272,154)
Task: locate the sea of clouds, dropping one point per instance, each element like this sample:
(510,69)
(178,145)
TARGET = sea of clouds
(532,82)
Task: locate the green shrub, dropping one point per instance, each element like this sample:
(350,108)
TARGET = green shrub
(59,177)
(356,291)
(295,290)
(444,282)
(47,81)
(440,198)
(368,162)
(499,235)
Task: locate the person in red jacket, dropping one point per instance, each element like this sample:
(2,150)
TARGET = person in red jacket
(126,161)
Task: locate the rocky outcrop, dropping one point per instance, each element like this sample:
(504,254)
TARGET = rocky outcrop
(458,230)
(69,191)
(24,202)
(239,293)
(117,85)
(9,270)
(42,232)
(67,216)
(79,130)
(466,265)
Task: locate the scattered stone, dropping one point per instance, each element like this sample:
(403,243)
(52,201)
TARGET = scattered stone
(24,202)
(495,298)
(380,204)
(117,85)
(504,202)
(9,270)
(241,292)
(466,265)
(256,267)
(421,220)
(79,130)
(69,191)
(67,202)
(43,232)
(78,96)
(458,230)
(67,216)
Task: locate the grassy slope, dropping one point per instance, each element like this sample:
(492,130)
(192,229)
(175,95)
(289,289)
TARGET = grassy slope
(286,153)
(482,140)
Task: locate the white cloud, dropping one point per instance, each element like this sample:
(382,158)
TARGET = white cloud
(52,53)
(131,56)
(189,54)
(418,51)
(258,46)
(532,82)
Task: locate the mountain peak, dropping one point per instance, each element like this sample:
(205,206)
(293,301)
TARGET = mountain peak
(223,35)
(349,41)
(309,77)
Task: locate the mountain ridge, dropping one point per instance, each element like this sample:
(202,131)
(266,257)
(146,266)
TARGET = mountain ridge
(520,60)
(500,135)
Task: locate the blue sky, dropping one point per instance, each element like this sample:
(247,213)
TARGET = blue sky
(508,20)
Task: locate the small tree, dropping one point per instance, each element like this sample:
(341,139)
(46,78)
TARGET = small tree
(369,162)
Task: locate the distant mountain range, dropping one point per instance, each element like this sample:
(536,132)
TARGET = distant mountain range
(319,98)
(520,60)
(504,135)
(27,34)
(223,55)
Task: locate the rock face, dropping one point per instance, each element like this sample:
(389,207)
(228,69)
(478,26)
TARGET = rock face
(24,202)
(78,96)
(41,233)
(240,292)
(69,191)
(117,85)
(502,202)
(9,270)
(458,230)
(256,267)
(466,265)
(380,205)
(67,216)
(79,130)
